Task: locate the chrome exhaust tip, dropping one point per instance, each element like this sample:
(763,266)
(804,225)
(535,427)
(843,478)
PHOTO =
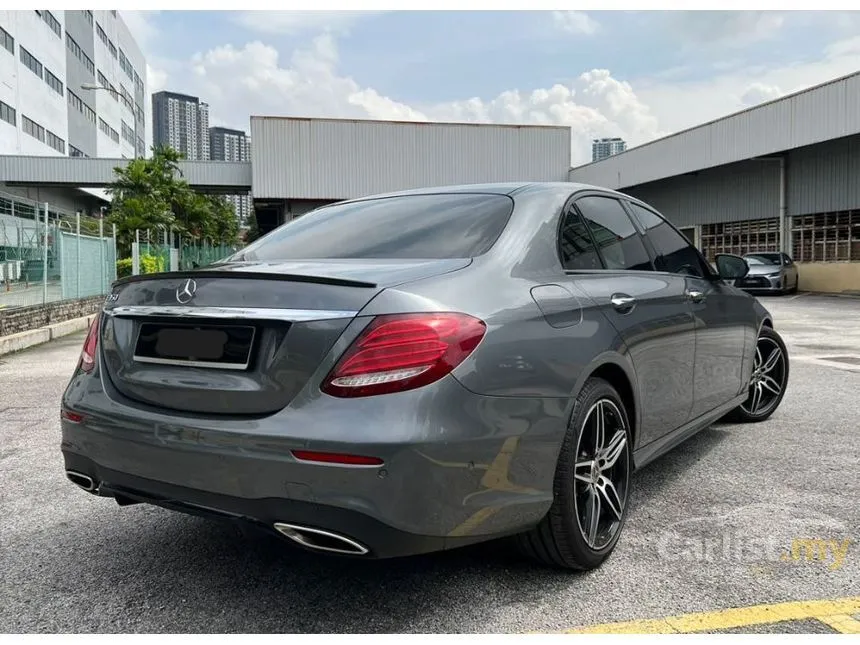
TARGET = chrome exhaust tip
(83,481)
(320,540)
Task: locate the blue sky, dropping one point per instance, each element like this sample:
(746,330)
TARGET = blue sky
(659,71)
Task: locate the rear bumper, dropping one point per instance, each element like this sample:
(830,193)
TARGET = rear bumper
(458,468)
(381,540)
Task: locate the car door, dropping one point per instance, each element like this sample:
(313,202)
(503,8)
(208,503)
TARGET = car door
(723,315)
(605,257)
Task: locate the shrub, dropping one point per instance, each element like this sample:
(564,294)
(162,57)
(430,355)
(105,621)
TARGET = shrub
(148,264)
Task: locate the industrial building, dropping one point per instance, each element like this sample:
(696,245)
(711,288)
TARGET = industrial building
(781,176)
(784,175)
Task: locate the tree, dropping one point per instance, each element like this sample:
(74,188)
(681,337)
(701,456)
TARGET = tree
(151,195)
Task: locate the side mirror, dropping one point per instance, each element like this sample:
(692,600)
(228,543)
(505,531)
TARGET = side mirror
(731,267)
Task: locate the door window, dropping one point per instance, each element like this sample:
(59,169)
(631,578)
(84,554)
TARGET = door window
(616,238)
(674,252)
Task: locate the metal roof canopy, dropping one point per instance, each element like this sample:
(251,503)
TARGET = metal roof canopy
(816,114)
(207,176)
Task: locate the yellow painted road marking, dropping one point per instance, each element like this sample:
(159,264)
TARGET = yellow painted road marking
(842,623)
(734,617)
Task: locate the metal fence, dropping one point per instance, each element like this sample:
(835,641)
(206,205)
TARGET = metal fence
(47,255)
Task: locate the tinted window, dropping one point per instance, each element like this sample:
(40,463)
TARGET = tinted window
(674,252)
(577,249)
(411,226)
(616,238)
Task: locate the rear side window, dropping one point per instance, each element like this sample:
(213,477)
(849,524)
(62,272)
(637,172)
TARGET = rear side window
(577,249)
(674,252)
(410,226)
(617,239)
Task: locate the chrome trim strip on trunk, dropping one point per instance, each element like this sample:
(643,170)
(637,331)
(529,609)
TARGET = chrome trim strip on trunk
(255,313)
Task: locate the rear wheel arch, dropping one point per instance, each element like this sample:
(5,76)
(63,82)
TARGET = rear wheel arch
(618,378)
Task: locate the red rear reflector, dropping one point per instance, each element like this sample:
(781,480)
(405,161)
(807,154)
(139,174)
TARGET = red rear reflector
(74,417)
(336,458)
(402,352)
(88,353)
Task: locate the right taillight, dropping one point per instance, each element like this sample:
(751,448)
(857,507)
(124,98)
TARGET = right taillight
(404,351)
(88,353)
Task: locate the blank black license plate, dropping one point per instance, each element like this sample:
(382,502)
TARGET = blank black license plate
(214,346)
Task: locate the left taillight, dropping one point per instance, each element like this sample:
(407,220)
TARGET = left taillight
(88,353)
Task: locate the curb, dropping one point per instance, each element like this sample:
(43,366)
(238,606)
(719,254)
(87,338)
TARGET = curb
(25,339)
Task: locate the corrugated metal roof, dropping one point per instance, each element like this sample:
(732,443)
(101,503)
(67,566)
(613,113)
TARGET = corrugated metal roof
(97,173)
(340,158)
(814,115)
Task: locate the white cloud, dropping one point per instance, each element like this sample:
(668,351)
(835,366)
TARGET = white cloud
(575,22)
(292,22)
(683,105)
(237,82)
(724,28)
(760,93)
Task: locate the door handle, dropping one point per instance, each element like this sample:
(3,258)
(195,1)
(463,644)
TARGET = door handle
(695,295)
(622,302)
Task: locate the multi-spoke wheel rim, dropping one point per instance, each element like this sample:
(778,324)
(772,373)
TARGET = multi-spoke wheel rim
(768,378)
(601,474)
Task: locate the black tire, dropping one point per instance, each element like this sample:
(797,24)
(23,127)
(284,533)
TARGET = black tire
(745,413)
(559,541)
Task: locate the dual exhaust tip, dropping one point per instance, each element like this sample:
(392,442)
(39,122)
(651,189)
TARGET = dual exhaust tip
(320,540)
(316,539)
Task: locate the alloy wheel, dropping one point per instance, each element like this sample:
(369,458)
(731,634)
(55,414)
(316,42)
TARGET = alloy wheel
(768,378)
(601,474)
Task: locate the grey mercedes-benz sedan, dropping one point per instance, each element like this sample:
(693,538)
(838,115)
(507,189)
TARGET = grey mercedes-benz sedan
(416,371)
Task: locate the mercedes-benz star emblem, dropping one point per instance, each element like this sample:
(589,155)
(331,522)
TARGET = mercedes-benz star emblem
(185,291)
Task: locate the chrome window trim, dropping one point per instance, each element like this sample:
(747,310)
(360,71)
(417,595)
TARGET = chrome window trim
(256,313)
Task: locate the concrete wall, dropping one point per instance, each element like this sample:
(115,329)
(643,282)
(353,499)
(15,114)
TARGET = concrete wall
(829,277)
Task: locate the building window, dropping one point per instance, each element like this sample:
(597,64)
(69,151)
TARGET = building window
(139,113)
(126,65)
(53,82)
(128,132)
(109,131)
(101,34)
(752,236)
(31,62)
(76,102)
(106,84)
(33,129)
(55,142)
(80,54)
(89,16)
(7,113)
(112,48)
(826,237)
(52,22)
(7,41)
(74,152)
(138,84)
(141,147)
(126,98)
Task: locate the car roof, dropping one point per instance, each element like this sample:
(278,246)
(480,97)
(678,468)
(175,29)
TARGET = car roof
(499,188)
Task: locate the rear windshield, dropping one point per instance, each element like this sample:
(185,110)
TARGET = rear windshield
(409,226)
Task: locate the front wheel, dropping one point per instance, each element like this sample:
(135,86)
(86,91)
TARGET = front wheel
(591,487)
(768,381)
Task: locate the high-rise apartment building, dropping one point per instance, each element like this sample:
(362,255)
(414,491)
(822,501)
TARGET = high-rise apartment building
(181,122)
(603,148)
(226,144)
(47,58)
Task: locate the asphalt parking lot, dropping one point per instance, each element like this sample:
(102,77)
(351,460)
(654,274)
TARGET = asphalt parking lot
(721,523)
